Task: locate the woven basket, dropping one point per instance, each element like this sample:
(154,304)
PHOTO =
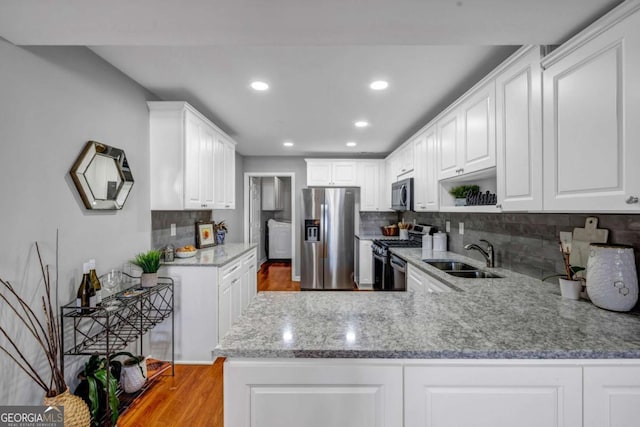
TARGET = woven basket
(76,412)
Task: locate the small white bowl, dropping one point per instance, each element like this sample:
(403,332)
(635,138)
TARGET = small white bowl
(186,254)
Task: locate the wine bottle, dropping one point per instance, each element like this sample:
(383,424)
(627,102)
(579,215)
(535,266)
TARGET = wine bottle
(95,281)
(86,296)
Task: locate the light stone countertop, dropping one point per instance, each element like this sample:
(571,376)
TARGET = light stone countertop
(214,256)
(515,317)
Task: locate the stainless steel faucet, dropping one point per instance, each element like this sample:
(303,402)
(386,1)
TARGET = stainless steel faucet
(487,254)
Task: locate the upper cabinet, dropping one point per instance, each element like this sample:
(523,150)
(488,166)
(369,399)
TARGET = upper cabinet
(185,158)
(224,167)
(519,133)
(425,189)
(466,134)
(372,183)
(591,111)
(338,173)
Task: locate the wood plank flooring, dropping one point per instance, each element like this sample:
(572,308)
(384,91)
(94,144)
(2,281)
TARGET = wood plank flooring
(194,396)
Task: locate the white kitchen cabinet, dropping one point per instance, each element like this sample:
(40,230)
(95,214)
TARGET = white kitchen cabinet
(418,280)
(364,272)
(611,396)
(272,199)
(341,173)
(249,278)
(224,191)
(368,179)
(406,156)
(493,396)
(195,312)
(519,133)
(280,393)
(466,135)
(425,188)
(230,295)
(591,127)
(183,153)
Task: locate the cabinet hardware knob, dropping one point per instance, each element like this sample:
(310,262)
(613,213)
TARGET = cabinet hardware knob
(631,200)
(499,206)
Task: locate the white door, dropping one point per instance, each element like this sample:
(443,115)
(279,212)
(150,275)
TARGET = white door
(478,148)
(369,183)
(432,194)
(343,174)
(611,396)
(420,173)
(448,137)
(193,162)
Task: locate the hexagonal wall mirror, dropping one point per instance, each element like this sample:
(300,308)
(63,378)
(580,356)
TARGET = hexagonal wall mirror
(102,176)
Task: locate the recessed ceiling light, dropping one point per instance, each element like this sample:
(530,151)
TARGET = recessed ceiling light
(288,144)
(379,85)
(361,124)
(257,85)
(351,144)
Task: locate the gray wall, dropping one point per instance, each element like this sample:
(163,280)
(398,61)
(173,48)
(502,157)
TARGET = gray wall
(295,165)
(53,100)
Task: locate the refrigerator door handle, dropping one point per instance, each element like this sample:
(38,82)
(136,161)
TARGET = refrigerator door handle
(325,232)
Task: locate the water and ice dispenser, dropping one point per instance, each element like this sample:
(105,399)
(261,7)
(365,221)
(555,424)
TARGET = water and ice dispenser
(311,230)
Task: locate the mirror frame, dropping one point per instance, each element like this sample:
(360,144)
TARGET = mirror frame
(82,163)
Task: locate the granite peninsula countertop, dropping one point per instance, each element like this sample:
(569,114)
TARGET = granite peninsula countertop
(515,317)
(215,256)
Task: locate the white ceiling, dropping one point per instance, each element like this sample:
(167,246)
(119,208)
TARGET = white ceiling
(318,56)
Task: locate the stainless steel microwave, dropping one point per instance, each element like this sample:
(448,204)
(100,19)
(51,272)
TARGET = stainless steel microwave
(402,195)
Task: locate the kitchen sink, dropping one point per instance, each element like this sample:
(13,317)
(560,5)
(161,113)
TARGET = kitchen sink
(451,265)
(478,274)
(461,269)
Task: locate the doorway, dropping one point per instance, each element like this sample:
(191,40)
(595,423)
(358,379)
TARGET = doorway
(270,216)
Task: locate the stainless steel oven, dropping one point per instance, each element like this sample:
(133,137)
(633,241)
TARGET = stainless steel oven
(399,272)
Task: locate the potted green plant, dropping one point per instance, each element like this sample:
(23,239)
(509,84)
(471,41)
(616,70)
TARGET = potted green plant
(221,231)
(460,193)
(570,284)
(93,387)
(149,262)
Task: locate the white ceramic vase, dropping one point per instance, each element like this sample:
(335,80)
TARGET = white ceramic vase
(570,289)
(612,281)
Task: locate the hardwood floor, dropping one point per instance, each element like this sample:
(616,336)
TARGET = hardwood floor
(194,396)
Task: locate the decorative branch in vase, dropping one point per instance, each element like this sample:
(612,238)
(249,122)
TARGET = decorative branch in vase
(570,285)
(46,334)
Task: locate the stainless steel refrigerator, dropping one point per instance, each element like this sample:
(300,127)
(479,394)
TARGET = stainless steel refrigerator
(328,221)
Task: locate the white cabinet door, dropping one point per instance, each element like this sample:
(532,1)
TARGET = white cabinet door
(230,298)
(418,280)
(432,199)
(449,135)
(196,312)
(420,174)
(519,134)
(591,127)
(224,173)
(249,278)
(224,322)
(406,157)
(236,298)
(317,394)
(611,396)
(318,173)
(369,183)
(487,396)
(478,115)
(343,174)
(365,266)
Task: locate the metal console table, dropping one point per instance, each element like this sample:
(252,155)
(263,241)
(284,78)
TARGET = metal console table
(105,330)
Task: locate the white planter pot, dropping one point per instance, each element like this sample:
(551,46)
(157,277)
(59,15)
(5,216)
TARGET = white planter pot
(612,281)
(149,280)
(570,289)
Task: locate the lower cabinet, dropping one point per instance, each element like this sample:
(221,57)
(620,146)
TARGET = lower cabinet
(208,301)
(431,393)
(419,281)
(364,269)
(493,396)
(611,396)
(317,394)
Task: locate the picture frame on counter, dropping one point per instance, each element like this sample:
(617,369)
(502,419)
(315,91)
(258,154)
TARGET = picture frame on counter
(205,237)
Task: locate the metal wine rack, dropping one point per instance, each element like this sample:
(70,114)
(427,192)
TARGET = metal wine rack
(103,331)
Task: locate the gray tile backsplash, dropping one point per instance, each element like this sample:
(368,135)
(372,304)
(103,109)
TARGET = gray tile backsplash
(185,222)
(526,242)
(370,222)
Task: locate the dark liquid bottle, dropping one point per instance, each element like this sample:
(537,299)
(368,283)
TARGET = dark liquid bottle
(86,296)
(95,281)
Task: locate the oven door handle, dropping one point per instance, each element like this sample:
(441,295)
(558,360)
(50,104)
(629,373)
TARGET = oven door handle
(398,265)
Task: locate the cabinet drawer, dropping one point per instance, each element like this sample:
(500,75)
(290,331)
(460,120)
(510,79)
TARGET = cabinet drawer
(230,271)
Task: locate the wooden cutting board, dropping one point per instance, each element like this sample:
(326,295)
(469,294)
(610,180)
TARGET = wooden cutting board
(583,237)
